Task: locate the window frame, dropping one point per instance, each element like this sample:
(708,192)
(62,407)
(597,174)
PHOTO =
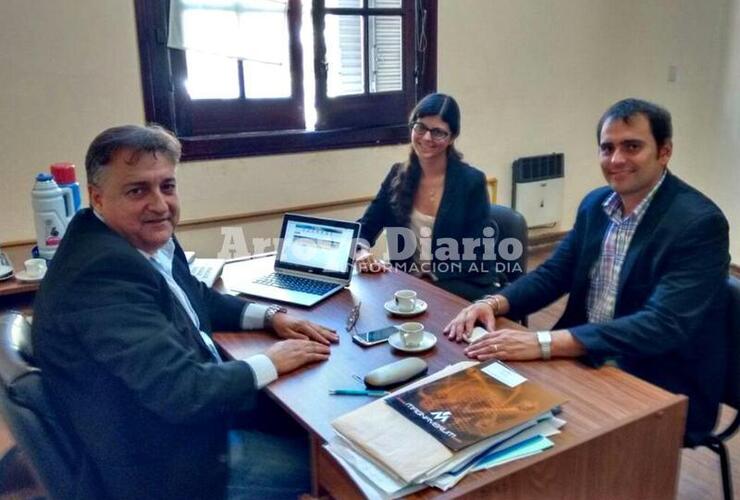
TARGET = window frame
(225,116)
(161,98)
(341,111)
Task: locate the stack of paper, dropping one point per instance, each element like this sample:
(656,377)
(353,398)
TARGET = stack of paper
(451,423)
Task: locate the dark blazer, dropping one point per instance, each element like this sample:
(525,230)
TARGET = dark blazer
(135,385)
(464,212)
(669,318)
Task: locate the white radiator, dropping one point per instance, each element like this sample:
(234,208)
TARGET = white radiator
(538,189)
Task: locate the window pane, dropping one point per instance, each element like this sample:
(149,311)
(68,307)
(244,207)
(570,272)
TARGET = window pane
(344,55)
(253,31)
(264,80)
(345,4)
(384,4)
(264,35)
(386,49)
(211,77)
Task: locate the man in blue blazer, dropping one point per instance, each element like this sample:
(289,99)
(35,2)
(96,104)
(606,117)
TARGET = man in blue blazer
(122,333)
(645,266)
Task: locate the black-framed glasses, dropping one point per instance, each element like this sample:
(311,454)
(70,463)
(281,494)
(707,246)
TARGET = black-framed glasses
(438,134)
(354,315)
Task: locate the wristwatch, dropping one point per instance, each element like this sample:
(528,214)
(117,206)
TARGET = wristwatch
(270,313)
(545,340)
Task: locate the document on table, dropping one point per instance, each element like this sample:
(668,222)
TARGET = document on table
(379,430)
(391,474)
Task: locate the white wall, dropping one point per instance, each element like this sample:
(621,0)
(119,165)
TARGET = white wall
(727,179)
(532,77)
(538,74)
(70,69)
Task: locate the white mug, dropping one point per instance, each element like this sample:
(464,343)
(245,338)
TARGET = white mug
(411,334)
(405,300)
(35,268)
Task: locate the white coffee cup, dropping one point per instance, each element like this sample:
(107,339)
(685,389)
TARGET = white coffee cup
(411,334)
(405,300)
(35,268)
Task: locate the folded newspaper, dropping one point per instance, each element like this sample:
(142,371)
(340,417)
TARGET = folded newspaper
(394,454)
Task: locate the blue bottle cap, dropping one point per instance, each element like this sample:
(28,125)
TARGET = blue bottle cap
(42,177)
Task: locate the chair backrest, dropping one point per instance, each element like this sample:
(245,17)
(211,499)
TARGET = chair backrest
(732,387)
(511,224)
(28,413)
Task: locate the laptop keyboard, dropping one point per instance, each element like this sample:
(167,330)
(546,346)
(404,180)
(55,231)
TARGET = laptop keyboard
(295,283)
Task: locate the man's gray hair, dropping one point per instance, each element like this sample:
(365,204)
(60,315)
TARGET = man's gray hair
(136,138)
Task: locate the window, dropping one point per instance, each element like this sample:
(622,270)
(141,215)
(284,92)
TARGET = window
(247,77)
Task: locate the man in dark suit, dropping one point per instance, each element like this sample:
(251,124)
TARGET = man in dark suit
(645,266)
(122,334)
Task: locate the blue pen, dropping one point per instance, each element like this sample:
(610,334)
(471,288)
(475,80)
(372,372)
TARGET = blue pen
(357,392)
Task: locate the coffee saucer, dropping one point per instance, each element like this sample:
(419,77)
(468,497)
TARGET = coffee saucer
(427,342)
(24,276)
(419,308)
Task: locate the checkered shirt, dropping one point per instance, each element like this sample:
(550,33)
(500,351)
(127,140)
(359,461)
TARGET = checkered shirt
(602,293)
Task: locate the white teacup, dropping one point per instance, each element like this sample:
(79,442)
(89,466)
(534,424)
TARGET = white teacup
(411,334)
(35,268)
(405,300)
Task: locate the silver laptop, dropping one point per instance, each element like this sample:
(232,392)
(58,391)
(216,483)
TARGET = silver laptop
(314,260)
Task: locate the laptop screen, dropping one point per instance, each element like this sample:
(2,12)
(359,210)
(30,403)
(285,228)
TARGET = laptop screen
(315,245)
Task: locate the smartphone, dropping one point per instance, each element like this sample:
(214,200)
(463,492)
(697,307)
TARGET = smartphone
(374,336)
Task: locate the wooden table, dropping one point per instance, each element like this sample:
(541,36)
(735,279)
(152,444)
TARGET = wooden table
(622,438)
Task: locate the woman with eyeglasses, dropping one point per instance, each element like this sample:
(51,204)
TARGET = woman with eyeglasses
(430,205)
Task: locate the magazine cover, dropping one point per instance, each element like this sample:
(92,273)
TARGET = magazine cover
(471,405)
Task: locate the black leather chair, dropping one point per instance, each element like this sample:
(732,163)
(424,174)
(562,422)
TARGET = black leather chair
(716,441)
(510,224)
(28,414)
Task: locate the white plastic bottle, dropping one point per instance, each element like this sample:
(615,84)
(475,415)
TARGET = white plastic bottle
(53,208)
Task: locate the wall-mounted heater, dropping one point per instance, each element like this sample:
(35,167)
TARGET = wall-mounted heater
(537,190)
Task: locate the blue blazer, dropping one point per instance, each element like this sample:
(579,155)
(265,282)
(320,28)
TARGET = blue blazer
(669,321)
(464,212)
(136,387)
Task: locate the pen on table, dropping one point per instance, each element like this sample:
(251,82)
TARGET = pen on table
(358,392)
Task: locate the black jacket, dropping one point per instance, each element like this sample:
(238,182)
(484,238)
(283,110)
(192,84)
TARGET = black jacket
(669,318)
(136,387)
(464,212)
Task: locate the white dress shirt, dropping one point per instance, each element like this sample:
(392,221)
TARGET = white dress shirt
(253,315)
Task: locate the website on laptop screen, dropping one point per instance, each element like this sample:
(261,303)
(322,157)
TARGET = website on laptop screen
(324,247)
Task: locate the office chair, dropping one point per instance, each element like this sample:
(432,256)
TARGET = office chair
(511,224)
(716,441)
(28,414)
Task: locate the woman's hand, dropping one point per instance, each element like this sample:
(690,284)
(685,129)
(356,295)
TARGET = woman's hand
(460,327)
(367,263)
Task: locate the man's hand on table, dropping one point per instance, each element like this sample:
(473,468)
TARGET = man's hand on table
(522,345)
(517,345)
(288,355)
(289,327)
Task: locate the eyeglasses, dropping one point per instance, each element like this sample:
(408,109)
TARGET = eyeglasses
(354,315)
(438,134)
